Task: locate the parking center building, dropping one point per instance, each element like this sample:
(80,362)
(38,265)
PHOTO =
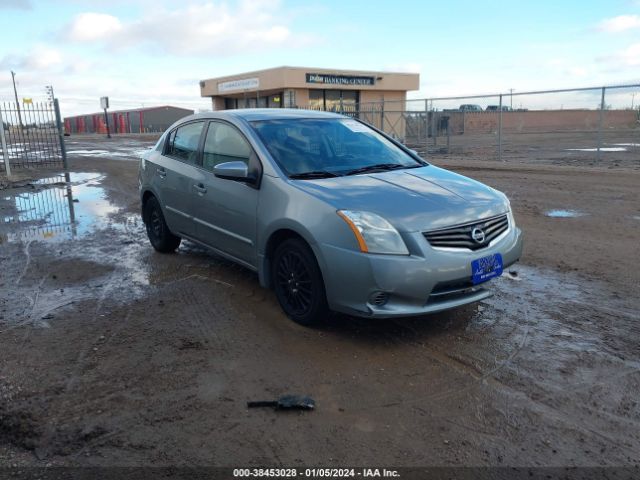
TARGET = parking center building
(348,91)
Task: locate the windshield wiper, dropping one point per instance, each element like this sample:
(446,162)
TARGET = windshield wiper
(313,174)
(380,167)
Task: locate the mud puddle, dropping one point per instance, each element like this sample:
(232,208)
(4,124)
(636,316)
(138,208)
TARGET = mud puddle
(559,213)
(133,153)
(117,149)
(602,149)
(58,208)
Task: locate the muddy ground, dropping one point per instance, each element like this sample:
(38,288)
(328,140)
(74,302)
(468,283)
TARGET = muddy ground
(113,354)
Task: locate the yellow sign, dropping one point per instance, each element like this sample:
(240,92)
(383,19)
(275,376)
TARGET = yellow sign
(27,100)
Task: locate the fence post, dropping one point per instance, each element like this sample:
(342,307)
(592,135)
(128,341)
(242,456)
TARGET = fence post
(500,129)
(600,121)
(63,150)
(426,128)
(5,151)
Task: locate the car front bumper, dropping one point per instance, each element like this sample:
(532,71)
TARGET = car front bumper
(429,280)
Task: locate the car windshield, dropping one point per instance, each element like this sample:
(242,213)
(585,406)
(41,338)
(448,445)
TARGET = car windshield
(320,148)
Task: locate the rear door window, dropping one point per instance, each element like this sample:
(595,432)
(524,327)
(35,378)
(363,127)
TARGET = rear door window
(183,142)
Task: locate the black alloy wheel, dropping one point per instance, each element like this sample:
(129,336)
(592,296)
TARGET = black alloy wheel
(298,283)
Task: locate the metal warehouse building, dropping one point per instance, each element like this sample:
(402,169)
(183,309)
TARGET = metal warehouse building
(137,120)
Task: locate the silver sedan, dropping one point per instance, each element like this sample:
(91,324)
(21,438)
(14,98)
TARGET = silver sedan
(330,212)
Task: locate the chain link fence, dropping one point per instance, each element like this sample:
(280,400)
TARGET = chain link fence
(31,135)
(586,125)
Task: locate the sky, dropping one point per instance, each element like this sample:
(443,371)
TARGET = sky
(155,52)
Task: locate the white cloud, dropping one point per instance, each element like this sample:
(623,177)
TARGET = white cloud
(88,27)
(39,58)
(17,4)
(631,55)
(628,57)
(619,23)
(202,29)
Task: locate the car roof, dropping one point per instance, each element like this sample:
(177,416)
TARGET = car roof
(253,114)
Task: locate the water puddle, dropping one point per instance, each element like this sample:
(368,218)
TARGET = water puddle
(67,206)
(564,213)
(87,152)
(602,149)
(133,153)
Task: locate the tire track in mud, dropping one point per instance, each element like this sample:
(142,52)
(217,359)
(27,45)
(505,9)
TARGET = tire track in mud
(205,317)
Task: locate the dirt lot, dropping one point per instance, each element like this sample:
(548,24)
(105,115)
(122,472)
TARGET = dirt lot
(112,354)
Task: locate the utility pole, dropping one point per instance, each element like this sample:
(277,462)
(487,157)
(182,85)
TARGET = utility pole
(15,92)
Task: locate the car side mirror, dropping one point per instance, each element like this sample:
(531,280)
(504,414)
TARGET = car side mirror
(238,171)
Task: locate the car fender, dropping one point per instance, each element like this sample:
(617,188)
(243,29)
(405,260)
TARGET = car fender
(264,267)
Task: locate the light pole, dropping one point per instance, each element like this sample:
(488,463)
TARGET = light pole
(511,99)
(49,90)
(15,92)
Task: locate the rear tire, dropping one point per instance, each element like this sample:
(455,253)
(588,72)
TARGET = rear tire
(157,230)
(298,283)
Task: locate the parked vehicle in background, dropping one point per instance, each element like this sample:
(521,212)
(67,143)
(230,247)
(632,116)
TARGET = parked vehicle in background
(330,212)
(495,108)
(468,107)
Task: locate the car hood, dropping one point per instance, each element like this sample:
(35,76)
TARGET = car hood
(416,199)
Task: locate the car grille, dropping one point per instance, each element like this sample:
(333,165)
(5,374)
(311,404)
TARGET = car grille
(460,236)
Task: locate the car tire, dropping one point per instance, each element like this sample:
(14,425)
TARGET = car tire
(157,230)
(298,283)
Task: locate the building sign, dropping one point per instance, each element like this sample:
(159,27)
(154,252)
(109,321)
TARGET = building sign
(328,79)
(244,84)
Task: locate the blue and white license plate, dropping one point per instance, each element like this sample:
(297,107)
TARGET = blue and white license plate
(486,268)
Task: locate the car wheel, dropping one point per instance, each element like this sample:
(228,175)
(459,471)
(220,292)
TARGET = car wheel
(157,230)
(298,283)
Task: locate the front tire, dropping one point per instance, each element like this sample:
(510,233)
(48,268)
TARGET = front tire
(157,230)
(298,283)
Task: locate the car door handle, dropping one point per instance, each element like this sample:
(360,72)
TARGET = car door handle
(161,172)
(200,189)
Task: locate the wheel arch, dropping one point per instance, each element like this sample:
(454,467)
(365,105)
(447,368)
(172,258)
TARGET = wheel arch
(144,198)
(275,238)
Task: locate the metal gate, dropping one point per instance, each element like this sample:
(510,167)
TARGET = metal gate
(31,135)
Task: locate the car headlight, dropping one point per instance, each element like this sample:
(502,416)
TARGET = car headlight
(373,233)
(512,220)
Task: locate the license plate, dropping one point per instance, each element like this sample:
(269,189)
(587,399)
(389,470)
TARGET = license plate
(486,268)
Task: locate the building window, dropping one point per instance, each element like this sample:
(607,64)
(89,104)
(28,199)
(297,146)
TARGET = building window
(230,103)
(275,101)
(289,99)
(316,99)
(334,100)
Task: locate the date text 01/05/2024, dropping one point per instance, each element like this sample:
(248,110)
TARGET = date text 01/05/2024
(315,473)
